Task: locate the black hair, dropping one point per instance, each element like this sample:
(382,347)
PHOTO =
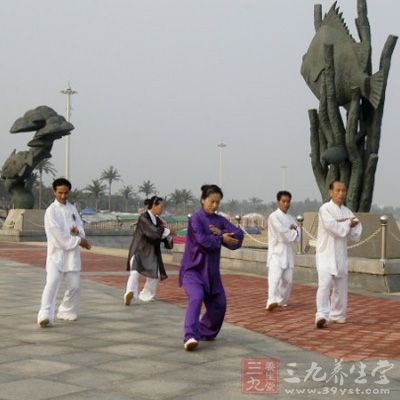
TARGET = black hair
(332,184)
(282,193)
(61,182)
(155,200)
(206,190)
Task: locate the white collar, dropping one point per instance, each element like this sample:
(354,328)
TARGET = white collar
(57,203)
(281,212)
(336,205)
(152,217)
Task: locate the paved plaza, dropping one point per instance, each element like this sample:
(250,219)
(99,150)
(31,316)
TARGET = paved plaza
(136,352)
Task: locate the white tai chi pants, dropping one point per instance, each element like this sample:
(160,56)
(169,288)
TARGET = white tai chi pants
(149,290)
(279,285)
(69,307)
(331,296)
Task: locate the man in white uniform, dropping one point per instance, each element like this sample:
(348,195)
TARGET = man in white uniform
(282,233)
(336,224)
(64,232)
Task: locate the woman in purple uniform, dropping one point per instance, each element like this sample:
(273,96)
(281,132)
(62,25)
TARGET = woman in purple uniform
(200,273)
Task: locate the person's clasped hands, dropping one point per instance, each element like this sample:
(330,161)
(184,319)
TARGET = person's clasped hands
(84,243)
(228,237)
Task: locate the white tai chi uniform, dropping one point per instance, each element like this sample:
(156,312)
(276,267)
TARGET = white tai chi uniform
(150,287)
(63,261)
(280,261)
(332,261)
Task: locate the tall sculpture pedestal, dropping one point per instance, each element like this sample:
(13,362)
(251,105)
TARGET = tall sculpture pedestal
(23,226)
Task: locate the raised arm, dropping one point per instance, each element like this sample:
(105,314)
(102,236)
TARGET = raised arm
(64,239)
(285,234)
(202,234)
(337,228)
(355,233)
(78,222)
(149,229)
(237,234)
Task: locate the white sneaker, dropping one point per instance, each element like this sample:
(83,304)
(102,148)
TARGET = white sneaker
(145,299)
(67,317)
(128,296)
(190,344)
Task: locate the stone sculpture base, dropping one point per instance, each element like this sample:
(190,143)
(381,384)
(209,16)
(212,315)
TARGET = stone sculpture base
(23,225)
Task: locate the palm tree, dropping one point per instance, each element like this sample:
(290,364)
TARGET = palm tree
(77,197)
(187,197)
(147,188)
(32,180)
(181,196)
(175,198)
(44,167)
(127,192)
(110,175)
(96,189)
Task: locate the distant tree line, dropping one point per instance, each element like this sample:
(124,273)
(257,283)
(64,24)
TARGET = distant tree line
(98,195)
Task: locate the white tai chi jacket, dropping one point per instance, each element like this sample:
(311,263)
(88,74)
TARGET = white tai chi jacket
(331,250)
(63,251)
(280,240)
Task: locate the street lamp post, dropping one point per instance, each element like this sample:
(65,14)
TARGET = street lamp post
(220,146)
(68,92)
(284,168)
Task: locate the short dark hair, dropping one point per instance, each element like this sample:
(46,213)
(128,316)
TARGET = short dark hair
(61,182)
(155,200)
(332,184)
(206,190)
(282,193)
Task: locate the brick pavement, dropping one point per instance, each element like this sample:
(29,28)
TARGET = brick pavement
(372,331)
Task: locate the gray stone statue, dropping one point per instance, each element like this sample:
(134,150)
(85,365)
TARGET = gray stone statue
(18,167)
(338,70)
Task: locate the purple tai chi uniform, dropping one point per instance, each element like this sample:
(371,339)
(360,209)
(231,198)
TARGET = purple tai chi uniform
(200,274)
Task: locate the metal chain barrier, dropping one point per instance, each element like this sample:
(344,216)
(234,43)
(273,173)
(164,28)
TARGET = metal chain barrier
(354,245)
(366,239)
(393,235)
(308,233)
(252,237)
(314,238)
(359,244)
(32,223)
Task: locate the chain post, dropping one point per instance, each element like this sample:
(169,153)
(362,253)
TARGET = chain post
(384,223)
(300,220)
(238,218)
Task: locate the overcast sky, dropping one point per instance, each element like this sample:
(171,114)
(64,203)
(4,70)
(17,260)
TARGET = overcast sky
(161,82)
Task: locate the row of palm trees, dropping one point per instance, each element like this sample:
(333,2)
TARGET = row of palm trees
(98,195)
(96,190)
(180,199)
(111,175)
